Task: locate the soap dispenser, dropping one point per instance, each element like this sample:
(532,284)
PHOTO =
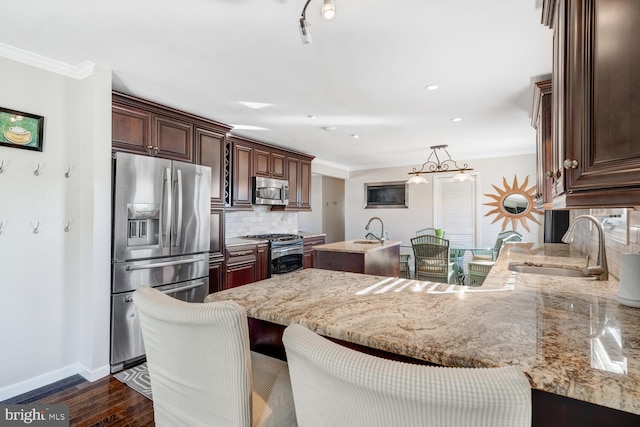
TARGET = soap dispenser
(629,290)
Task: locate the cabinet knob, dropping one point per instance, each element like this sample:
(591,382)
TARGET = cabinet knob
(570,164)
(549,175)
(156,149)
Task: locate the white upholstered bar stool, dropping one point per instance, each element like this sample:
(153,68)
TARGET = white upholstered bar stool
(340,387)
(202,371)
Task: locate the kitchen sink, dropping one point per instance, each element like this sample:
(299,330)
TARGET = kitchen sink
(546,269)
(366,242)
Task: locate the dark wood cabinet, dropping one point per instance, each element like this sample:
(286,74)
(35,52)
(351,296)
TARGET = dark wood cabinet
(172,138)
(130,129)
(542,122)
(240,265)
(216,275)
(242,169)
(299,176)
(309,243)
(595,101)
(210,151)
(268,164)
(262,262)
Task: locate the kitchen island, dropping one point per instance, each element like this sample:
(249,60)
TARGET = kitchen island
(360,256)
(570,336)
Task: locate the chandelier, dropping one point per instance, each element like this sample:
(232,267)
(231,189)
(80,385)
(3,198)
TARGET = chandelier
(435,165)
(328,12)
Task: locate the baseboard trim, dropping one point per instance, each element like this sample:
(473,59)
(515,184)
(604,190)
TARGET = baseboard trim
(37,382)
(94,374)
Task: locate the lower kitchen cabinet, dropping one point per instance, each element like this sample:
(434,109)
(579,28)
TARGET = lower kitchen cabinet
(240,265)
(309,243)
(262,262)
(216,274)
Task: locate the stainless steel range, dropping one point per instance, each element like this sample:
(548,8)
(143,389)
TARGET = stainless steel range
(285,252)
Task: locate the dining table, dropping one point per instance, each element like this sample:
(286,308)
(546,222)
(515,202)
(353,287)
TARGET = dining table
(461,253)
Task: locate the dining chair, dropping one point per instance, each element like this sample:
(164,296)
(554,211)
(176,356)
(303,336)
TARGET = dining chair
(340,387)
(431,259)
(201,369)
(480,266)
(429,231)
(492,254)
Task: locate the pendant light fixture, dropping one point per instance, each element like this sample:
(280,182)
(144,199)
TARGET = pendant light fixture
(435,165)
(327,12)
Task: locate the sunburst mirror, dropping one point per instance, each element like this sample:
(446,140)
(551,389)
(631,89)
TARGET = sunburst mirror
(513,203)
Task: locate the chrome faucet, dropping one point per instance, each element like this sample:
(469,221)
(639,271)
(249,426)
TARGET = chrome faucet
(601,271)
(381,238)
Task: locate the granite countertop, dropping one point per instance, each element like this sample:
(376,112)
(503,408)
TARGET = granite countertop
(239,241)
(307,234)
(569,335)
(356,246)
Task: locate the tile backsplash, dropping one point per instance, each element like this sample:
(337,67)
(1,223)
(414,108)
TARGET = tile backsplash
(260,220)
(586,239)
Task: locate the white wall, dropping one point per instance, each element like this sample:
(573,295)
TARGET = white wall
(54,287)
(403,223)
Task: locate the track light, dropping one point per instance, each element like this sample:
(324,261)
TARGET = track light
(328,12)
(304,31)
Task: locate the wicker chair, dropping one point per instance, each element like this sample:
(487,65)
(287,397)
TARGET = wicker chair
(492,255)
(431,258)
(429,231)
(479,267)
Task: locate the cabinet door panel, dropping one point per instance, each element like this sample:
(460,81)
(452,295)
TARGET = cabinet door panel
(172,138)
(278,169)
(217,233)
(293,166)
(242,168)
(305,184)
(241,274)
(130,129)
(261,163)
(210,152)
(216,276)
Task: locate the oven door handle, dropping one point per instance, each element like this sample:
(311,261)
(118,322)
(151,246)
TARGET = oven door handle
(183,288)
(286,251)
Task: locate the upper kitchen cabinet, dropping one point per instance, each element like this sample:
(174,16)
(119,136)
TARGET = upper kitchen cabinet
(241,173)
(210,146)
(595,100)
(142,127)
(268,164)
(251,158)
(541,120)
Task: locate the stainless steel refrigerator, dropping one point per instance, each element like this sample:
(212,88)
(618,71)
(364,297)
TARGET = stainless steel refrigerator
(160,238)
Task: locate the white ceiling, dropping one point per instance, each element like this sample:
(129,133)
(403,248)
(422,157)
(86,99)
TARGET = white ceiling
(364,73)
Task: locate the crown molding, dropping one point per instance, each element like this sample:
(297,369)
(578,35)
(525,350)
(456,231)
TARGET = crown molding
(79,72)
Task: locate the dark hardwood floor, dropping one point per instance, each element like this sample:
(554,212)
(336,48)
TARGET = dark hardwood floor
(106,402)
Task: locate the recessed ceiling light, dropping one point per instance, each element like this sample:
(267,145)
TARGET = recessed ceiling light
(254,105)
(329,128)
(456,119)
(355,135)
(431,87)
(312,116)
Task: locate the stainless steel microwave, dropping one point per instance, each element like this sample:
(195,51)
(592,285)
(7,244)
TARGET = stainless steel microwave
(267,191)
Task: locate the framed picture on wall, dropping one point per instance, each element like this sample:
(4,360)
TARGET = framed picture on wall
(21,130)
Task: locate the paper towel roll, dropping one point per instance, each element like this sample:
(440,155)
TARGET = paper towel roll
(629,290)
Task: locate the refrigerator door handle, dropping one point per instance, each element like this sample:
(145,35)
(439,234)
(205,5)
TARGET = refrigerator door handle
(183,288)
(167,200)
(160,264)
(178,224)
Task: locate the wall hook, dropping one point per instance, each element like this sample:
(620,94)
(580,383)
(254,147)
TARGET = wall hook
(37,171)
(35,227)
(66,227)
(66,174)
(2,167)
